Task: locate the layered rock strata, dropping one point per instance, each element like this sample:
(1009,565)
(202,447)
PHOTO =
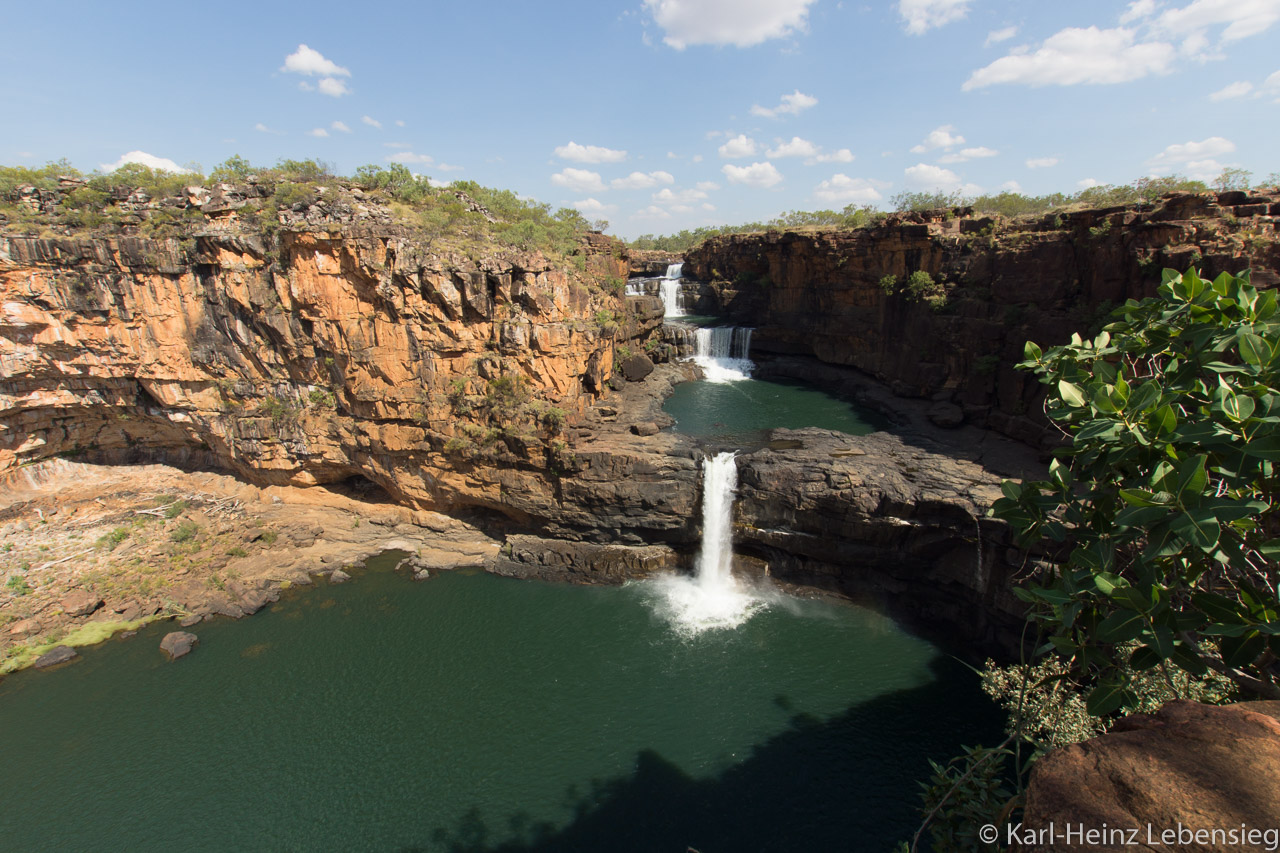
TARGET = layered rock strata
(315,358)
(939,305)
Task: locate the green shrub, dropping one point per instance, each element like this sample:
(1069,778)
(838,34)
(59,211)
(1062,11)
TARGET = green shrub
(175,509)
(1165,494)
(185,531)
(114,538)
(919,282)
(18,585)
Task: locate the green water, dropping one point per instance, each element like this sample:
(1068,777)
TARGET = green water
(740,414)
(475,713)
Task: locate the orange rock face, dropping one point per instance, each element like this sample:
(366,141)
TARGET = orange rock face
(326,355)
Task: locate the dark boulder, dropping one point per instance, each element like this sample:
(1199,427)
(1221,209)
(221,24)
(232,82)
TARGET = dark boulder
(637,367)
(178,643)
(57,655)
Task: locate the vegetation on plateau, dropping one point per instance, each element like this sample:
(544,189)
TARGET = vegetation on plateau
(1157,531)
(1006,204)
(57,197)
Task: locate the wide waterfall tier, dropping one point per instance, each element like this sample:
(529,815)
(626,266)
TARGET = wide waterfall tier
(712,598)
(724,353)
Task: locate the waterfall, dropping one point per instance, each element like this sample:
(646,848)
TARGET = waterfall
(724,353)
(670,289)
(635,287)
(719,486)
(712,598)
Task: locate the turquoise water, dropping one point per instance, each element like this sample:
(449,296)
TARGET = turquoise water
(740,414)
(476,713)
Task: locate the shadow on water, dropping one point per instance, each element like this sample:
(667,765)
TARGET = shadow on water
(820,785)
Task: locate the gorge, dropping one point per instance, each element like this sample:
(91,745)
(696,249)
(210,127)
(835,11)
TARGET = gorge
(515,412)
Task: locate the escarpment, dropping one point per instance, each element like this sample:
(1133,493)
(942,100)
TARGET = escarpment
(939,305)
(309,356)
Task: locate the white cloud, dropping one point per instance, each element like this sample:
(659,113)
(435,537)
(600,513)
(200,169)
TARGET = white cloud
(1042,162)
(1243,18)
(707,186)
(920,16)
(1089,183)
(1214,146)
(651,212)
(1194,159)
(671,155)
(333,87)
(1011,187)
(697,158)
(1234,90)
(741,23)
(842,188)
(793,104)
(1074,55)
(844,155)
(589,153)
(594,206)
(262,128)
(924,176)
(966,154)
(410,157)
(312,63)
(399,122)
(667,196)
(340,127)
(1138,10)
(142,158)
(372,122)
(740,146)
(1271,85)
(579,180)
(997,36)
(449,167)
(318,132)
(755,175)
(797,147)
(642,181)
(940,138)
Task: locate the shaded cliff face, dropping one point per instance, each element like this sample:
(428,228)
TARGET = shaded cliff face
(309,356)
(847,297)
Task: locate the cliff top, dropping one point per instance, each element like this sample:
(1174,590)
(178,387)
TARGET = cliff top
(58,201)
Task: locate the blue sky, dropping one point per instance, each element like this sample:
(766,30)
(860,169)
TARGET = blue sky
(659,115)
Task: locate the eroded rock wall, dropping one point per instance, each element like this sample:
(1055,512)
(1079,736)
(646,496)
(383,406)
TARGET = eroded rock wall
(311,356)
(846,297)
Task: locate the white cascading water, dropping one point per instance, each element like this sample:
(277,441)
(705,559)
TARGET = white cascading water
(670,290)
(724,353)
(712,598)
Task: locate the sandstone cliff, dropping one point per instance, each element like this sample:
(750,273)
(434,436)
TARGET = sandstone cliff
(982,288)
(309,353)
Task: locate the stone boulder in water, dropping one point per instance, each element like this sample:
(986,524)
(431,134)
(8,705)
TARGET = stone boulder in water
(178,643)
(57,655)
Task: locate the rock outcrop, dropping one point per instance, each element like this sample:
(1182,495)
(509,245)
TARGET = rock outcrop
(313,356)
(939,305)
(1172,778)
